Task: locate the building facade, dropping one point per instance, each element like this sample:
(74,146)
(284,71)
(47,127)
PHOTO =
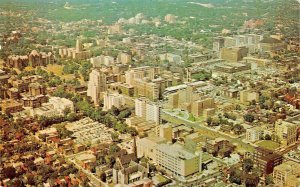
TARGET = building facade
(96,85)
(178,161)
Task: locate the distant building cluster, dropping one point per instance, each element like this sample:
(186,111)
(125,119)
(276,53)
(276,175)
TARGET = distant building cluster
(34,59)
(75,53)
(126,108)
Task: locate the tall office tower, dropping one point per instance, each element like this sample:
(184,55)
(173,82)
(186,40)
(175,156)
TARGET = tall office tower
(78,45)
(140,107)
(218,44)
(96,85)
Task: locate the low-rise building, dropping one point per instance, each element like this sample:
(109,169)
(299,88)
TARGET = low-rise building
(247,96)
(10,106)
(219,146)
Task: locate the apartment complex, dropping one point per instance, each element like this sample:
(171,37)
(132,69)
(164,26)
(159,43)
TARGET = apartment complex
(251,41)
(287,174)
(113,99)
(265,160)
(147,109)
(75,53)
(286,131)
(96,85)
(190,100)
(234,54)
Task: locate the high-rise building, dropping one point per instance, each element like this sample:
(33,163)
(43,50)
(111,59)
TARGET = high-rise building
(113,99)
(218,44)
(251,41)
(96,85)
(124,58)
(254,134)
(153,112)
(144,82)
(198,107)
(78,45)
(287,174)
(286,132)
(140,73)
(140,107)
(234,54)
(147,109)
(75,53)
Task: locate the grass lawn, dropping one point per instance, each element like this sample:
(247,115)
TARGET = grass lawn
(159,178)
(191,117)
(181,114)
(208,133)
(29,68)
(58,70)
(55,68)
(268,144)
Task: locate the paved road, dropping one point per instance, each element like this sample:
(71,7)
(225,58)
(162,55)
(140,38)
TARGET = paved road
(174,119)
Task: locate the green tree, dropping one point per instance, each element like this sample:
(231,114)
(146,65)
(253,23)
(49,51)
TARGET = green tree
(235,176)
(249,118)
(209,121)
(132,131)
(113,148)
(269,180)
(110,160)
(103,177)
(268,137)
(115,136)
(248,165)
(9,172)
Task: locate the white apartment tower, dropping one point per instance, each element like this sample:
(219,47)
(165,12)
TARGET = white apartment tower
(96,85)
(113,99)
(147,109)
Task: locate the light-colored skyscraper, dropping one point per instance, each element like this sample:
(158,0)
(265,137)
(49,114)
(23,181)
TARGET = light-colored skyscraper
(286,132)
(96,85)
(140,107)
(78,45)
(113,99)
(148,110)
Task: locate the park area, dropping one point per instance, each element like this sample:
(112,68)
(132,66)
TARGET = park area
(268,144)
